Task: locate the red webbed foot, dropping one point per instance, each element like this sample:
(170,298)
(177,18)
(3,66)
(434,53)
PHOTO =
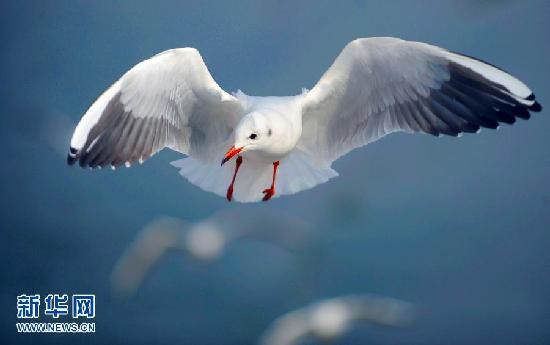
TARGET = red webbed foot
(268,193)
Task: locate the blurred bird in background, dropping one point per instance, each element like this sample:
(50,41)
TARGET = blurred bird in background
(329,319)
(205,241)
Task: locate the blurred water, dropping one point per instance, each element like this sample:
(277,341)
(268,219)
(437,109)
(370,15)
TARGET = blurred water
(459,227)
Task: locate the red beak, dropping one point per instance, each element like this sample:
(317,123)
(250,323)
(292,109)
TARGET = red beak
(233,151)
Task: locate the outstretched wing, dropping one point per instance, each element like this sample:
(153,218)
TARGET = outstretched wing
(382,85)
(169,100)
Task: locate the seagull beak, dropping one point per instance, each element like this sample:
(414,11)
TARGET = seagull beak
(233,151)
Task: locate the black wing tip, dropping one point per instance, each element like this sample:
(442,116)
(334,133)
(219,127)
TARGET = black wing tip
(72,156)
(535,107)
(71,160)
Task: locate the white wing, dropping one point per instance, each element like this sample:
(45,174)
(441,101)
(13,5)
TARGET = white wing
(287,329)
(382,85)
(169,100)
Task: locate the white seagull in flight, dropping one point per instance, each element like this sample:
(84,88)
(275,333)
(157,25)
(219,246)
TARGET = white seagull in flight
(283,145)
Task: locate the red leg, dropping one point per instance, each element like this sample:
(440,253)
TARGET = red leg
(230,188)
(271,191)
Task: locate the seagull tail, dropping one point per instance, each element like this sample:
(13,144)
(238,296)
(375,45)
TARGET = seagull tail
(296,173)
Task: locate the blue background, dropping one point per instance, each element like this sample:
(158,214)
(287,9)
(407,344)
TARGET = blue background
(459,227)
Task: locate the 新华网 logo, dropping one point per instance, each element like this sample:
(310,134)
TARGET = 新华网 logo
(55,306)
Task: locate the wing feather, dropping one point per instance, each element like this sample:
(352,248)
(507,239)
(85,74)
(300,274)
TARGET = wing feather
(382,85)
(169,100)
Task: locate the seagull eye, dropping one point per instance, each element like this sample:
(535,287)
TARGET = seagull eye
(253,136)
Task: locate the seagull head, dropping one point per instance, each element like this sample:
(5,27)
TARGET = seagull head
(253,133)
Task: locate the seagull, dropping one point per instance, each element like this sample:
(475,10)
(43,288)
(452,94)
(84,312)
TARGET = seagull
(283,145)
(329,319)
(206,241)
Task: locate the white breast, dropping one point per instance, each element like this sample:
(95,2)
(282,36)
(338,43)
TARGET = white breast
(284,117)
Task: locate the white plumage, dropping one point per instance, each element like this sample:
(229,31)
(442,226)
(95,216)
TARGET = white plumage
(376,86)
(328,320)
(208,239)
